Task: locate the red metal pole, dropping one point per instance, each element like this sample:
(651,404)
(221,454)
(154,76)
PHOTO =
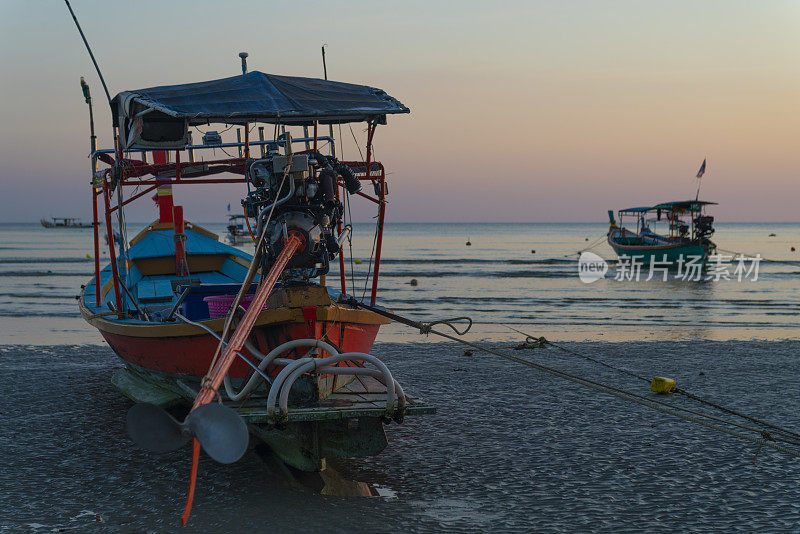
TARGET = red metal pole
(315,136)
(165,203)
(96,230)
(220,369)
(181,267)
(112,252)
(134,197)
(246,141)
(342,275)
(381,213)
(216,374)
(161,181)
(381,217)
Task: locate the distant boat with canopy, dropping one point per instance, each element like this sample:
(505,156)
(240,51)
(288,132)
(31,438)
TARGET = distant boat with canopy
(64,222)
(667,232)
(238,234)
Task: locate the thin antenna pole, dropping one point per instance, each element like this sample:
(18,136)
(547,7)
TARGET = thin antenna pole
(330,126)
(89,49)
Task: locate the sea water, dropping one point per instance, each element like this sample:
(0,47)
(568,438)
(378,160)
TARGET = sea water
(521,275)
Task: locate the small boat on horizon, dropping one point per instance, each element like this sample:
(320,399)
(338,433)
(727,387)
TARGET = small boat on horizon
(64,222)
(237,233)
(685,236)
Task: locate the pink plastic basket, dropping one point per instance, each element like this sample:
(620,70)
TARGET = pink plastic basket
(218,305)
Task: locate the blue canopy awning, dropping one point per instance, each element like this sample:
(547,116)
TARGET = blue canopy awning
(689,205)
(261,97)
(678,205)
(636,210)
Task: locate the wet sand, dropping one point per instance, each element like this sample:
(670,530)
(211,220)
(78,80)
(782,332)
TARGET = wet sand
(510,449)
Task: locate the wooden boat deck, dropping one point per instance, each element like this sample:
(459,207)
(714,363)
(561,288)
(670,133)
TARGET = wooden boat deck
(363,397)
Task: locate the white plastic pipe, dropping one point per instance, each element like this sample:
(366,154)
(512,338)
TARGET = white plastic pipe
(267,359)
(285,379)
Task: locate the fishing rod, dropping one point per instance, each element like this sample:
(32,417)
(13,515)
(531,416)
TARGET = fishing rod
(89,49)
(121,222)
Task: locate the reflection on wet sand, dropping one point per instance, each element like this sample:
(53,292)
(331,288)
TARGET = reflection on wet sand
(328,481)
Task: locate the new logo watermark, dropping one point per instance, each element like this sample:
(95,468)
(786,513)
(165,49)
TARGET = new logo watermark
(591,267)
(715,267)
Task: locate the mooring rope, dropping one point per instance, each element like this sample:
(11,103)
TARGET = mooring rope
(709,421)
(676,390)
(742,254)
(595,243)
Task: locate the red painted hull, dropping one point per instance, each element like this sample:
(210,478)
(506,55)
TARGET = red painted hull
(190,356)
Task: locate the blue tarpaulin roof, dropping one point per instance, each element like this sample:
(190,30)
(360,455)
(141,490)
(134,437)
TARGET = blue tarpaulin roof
(637,210)
(693,205)
(683,205)
(257,96)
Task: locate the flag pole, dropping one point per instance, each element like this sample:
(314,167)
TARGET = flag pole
(700,174)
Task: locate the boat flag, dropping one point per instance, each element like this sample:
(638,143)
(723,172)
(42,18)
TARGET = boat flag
(229,204)
(702,170)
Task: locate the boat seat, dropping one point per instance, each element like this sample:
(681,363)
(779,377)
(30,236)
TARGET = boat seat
(154,291)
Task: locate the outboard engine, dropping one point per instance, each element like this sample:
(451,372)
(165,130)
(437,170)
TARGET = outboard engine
(295,194)
(703,226)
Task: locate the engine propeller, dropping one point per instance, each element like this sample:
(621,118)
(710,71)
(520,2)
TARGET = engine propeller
(220,430)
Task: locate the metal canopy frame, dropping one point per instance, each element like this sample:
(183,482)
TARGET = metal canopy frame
(123,171)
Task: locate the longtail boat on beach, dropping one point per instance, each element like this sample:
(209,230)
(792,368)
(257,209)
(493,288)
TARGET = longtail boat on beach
(685,236)
(294,369)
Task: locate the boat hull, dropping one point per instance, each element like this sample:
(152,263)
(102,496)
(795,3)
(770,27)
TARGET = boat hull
(166,362)
(339,412)
(673,254)
(189,357)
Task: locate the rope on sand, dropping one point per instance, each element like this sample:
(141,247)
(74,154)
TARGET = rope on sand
(765,439)
(775,428)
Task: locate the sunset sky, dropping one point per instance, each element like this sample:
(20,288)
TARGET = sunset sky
(521,111)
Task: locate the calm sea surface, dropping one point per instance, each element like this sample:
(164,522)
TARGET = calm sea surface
(498,280)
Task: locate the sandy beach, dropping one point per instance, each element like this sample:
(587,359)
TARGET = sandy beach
(509,449)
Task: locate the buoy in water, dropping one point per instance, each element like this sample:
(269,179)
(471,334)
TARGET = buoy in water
(413,282)
(469,243)
(772,235)
(533,251)
(792,249)
(88,256)
(587,239)
(359,262)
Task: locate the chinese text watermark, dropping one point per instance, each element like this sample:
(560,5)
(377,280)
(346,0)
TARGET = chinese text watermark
(715,268)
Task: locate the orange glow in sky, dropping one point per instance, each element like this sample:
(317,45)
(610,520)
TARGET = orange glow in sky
(521,111)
